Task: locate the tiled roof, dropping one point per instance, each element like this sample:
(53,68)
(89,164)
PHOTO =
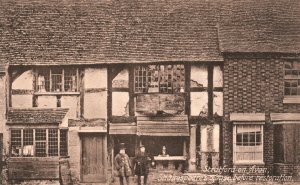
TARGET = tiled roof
(260,26)
(77,32)
(47,32)
(36,116)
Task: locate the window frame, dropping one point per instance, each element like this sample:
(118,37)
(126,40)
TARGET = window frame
(161,73)
(288,98)
(48,78)
(35,141)
(288,78)
(238,147)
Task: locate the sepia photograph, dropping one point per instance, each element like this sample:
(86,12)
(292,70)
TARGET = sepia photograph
(149,92)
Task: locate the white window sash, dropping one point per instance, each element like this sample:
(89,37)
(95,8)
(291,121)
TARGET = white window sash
(254,150)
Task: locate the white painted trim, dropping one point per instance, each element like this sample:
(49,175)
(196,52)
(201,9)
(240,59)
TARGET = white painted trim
(285,122)
(234,148)
(247,117)
(285,117)
(92,131)
(248,122)
(291,100)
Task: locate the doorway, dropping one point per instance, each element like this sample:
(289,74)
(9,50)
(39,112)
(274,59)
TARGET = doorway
(93,157)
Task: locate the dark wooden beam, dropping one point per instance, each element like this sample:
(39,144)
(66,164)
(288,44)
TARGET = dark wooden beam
(115,70)
(218,89)
(187,71)
(9,87)
(198,89)
(121,89)
(82,91)
(210,68)
(109,92)
(131,91)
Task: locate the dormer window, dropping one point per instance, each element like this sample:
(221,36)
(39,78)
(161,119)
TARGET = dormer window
(159,79)
(56,80)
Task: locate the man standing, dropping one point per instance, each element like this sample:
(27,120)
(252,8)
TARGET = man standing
(122,164)
(141,165)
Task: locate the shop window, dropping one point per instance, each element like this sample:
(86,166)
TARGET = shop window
(159,79)
(292,78)
(248,144)
(154,145)
(57,80)
(38,142)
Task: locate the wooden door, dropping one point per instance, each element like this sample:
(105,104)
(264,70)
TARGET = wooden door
(93,158)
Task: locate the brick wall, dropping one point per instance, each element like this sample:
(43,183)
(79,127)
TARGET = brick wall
(253,85)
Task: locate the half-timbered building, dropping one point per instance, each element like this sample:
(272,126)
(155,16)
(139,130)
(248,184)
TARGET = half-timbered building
(78,78)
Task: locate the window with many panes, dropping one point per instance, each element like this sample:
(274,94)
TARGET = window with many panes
(159,79)
(39,142)
(248,144)
(57,80)
(292,78)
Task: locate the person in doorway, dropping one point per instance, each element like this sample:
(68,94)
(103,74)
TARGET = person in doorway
(141,165)
(164,152)
(123,165)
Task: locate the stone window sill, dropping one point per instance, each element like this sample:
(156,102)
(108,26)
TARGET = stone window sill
(291,100)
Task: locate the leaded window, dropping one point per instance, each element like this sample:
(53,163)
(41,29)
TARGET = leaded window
(56,80)
(40,142)
(159,79)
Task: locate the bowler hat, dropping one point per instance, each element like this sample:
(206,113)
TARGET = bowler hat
(122,146)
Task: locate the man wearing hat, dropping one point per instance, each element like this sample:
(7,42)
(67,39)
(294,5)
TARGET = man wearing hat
(141,165)
(122,164)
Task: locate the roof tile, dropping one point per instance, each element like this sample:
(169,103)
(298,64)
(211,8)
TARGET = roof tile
(36,116)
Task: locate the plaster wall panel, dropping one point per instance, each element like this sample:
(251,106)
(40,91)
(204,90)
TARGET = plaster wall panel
(47,101)
(24,81)
(217,76)
(95,78)
(120,104)
(218,103)
(199,76)
(71,102)
(199,103)
(21,101)
(74,151)
(95,105)
(121,80)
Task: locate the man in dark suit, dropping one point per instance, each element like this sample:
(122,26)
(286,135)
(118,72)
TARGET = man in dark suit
(141,164)
(123,165)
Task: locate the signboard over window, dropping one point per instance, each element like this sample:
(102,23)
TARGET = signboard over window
(155,103)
